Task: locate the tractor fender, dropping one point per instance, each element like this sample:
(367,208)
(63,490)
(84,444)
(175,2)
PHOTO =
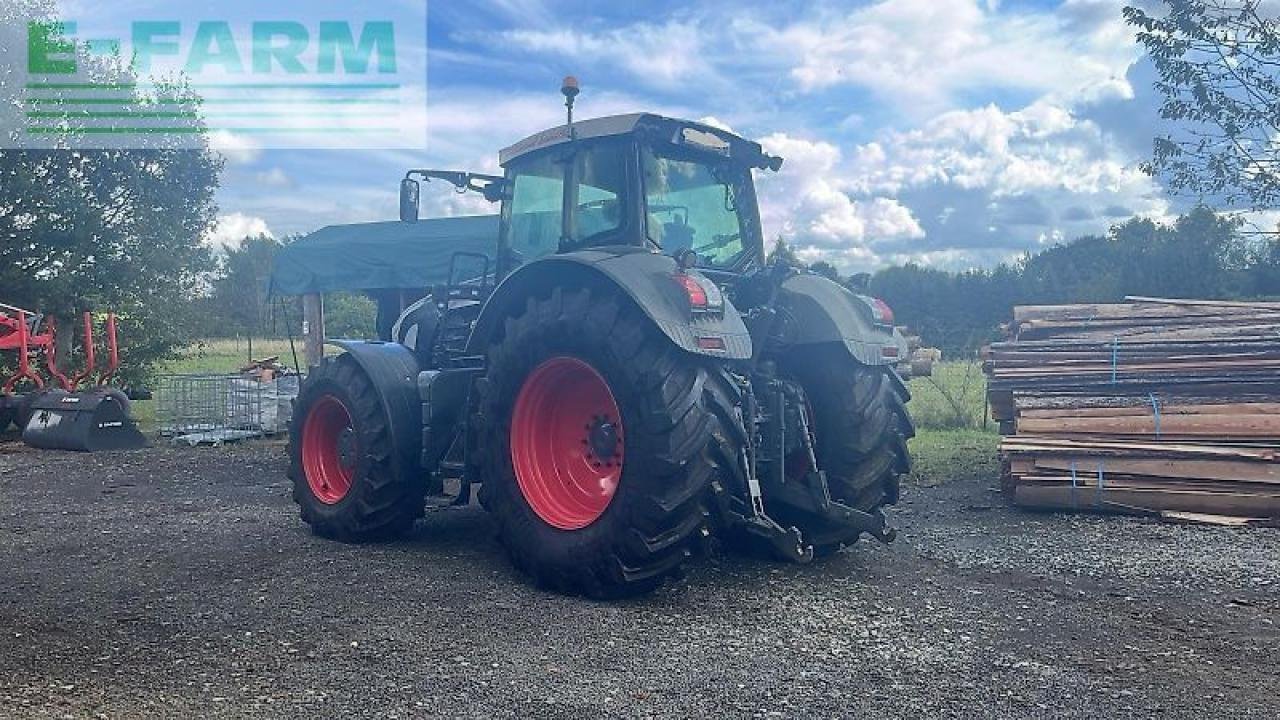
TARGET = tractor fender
(815,310)
(393,372)
(646,277)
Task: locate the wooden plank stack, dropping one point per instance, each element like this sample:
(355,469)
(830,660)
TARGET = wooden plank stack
(1150,406)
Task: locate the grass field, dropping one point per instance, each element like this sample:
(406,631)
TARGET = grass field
(227,355)
(940,456)
(952,440)
(954,397)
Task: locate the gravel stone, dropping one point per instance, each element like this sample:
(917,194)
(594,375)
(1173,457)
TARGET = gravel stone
(179,582)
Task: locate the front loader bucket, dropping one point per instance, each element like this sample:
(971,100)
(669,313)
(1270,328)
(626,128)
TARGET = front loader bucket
(83,421)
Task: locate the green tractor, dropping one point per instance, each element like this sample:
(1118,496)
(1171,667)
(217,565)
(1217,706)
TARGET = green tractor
(627,381)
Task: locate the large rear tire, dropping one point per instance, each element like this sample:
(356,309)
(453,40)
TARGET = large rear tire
(594,438)
(340,459)
(861,427)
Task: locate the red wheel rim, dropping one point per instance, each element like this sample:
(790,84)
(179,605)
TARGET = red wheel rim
(329,449)
(567,443)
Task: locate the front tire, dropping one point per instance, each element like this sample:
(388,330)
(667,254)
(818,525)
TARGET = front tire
(594,434)
(340,459)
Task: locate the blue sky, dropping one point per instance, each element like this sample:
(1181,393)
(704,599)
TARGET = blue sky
(947,132)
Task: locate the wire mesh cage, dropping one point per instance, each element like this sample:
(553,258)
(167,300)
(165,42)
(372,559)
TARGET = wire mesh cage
(222,407)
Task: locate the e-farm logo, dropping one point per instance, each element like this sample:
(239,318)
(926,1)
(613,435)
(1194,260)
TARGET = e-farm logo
(274,46)
(323,79)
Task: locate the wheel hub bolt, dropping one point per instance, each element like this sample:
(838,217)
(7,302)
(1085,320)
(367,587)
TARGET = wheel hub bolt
(348,448)
(603,439)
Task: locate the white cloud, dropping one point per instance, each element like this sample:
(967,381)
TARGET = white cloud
(275,178)
(954,258)
(715,122)
(1042,147)
(967,187)
(1263,221)
(237,149)
(230,230)
(986,184)
(808,203)
(918,55)
(656,54)
(462,135)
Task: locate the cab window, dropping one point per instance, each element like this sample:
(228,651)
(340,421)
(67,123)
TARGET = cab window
(537,202)
(692,204)
(601,174)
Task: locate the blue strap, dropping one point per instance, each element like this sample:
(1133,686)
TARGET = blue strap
(1115,355)
(1155,411)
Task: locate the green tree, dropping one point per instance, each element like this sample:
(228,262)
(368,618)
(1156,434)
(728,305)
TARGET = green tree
(783,253)
(239,296)
(826,270)
(105,230)
(349,315)
(1265,278)
(1200,255)
(1217,61)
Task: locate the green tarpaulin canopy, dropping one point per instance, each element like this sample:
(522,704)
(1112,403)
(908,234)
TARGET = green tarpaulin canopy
(381,255)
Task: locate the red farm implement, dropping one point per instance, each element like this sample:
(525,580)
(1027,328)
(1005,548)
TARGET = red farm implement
(59,409)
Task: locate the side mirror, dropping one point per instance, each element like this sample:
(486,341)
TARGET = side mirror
(409,191)
(494,191)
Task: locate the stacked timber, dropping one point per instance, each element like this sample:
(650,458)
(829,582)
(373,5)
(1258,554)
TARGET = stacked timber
(1150,407)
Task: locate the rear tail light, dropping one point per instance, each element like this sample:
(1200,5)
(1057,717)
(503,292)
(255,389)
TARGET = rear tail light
(697,295)
(703,295)
(883,313)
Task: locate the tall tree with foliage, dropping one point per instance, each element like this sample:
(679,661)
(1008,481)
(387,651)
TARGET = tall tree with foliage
(782,253)
(100,230)
(239,297)
(1219,68)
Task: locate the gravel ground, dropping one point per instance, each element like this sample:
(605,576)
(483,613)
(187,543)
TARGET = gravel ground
(179,583)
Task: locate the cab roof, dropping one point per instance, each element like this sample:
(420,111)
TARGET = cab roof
(618,125)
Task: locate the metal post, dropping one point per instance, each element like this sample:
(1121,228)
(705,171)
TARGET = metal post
(313,328)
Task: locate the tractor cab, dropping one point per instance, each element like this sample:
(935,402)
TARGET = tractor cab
(669,186)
